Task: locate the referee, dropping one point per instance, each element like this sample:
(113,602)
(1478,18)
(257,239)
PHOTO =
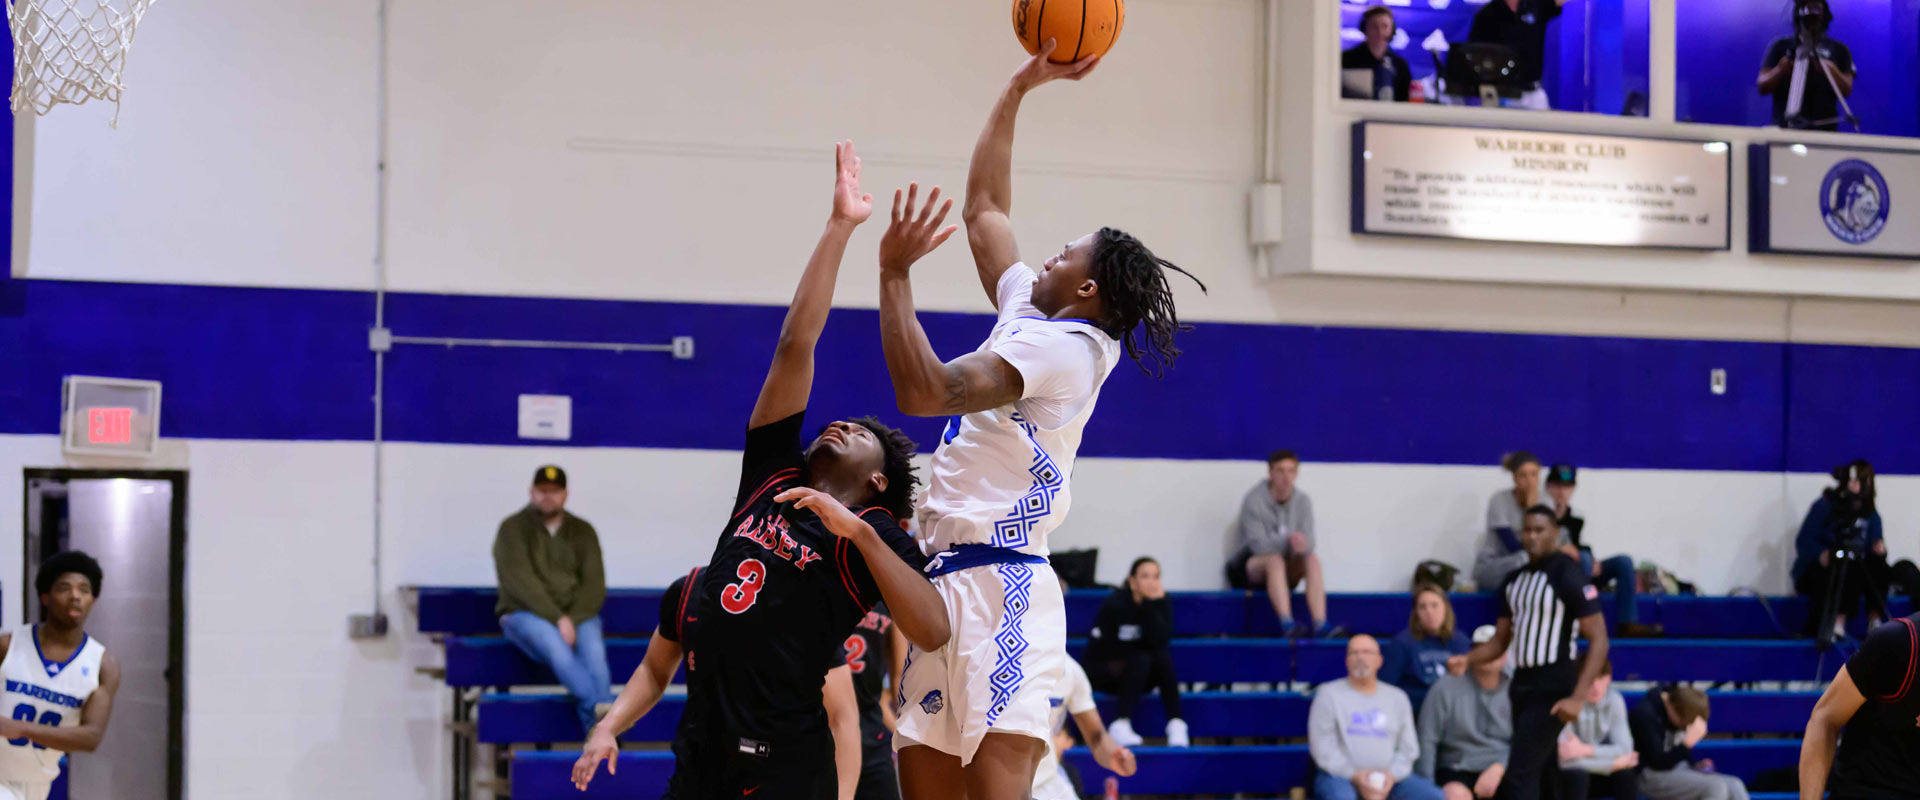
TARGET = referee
(1873,708)
(1539,605)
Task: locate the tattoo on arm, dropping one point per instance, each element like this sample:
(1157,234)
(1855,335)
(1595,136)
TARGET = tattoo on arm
(956,392)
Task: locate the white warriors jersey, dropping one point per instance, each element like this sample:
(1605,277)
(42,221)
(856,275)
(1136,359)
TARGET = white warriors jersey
(1000,477)
(47,693)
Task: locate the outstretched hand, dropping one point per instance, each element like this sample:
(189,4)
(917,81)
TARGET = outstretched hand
(910,237)
(849,205)
(600,747)
(1040,69)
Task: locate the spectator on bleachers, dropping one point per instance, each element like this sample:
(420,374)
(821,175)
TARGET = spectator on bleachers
(1596,752)
(1500,554)
(1843,523)
(1616,571)
(1466,725)
(1417,657)
(1666,724)
(552,584)
(1127,652)
(1276,546)
(1361,734)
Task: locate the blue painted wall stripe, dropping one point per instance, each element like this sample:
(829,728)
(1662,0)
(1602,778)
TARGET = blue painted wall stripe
(293,364)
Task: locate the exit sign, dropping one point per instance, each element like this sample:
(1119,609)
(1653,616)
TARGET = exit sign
(110,416)
(109,426)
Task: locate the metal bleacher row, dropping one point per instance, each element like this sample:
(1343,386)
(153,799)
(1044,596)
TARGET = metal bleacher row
(1226,638)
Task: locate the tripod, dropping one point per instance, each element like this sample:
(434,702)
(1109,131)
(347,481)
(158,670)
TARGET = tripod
(1846,109)
(1840,569)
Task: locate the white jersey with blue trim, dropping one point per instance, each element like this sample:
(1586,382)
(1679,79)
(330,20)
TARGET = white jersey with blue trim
(44,692)
(1000,477)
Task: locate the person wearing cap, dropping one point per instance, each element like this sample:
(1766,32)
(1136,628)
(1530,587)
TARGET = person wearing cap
(552,584)
(1361,734)
(1617,571)
(1466,725)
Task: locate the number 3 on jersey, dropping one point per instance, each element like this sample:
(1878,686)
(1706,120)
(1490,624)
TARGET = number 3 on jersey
(736,598)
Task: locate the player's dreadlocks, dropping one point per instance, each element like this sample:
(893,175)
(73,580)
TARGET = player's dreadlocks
(901,480)
(1133,282)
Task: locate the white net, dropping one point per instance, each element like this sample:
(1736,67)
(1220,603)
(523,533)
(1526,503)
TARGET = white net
(70,51)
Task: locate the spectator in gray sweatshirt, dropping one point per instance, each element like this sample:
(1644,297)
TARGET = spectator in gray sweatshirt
(1362,736)
(1465,727)
(1500,554)
(1597,756)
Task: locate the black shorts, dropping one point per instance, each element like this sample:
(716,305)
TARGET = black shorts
(1443,776)
(732,768)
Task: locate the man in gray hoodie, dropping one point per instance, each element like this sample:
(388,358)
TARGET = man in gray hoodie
(1362,736)
(1466,724)
(1597,756)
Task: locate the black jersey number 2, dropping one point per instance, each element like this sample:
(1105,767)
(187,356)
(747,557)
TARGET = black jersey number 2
(736,598)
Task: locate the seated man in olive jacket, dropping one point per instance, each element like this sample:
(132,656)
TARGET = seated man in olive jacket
(552,585)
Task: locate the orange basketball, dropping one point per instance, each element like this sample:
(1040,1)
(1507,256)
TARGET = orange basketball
(1082,27)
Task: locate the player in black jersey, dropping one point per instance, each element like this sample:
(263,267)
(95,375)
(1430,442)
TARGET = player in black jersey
(876,651)
(1873,708)
(811,547)
(679,614)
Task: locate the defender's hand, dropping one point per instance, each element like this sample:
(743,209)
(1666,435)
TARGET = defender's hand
(849,204)
(600,747)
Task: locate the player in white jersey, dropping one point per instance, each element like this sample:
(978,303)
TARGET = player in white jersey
(1072,694)
(59,682)
(973,721)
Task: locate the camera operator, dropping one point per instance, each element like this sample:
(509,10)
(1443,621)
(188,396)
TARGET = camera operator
(1809,72)
(1871,707)
(1841,553)
(1522,26)
(1390,71)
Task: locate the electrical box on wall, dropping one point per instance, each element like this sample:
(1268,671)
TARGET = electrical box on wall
(110,416)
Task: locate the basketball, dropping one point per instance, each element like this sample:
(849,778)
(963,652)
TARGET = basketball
(1086,28)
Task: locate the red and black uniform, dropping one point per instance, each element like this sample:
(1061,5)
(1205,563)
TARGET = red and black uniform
(867,654)
(1880,747)
(761,625)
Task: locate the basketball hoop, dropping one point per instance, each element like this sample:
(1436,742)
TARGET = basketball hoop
(70,51)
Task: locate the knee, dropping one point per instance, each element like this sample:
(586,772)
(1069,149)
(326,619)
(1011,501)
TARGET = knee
(1456,791)
(1716,790)
(1328,787)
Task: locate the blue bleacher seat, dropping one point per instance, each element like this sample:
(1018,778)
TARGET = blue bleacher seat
(493,661)
(468,610)
(548,717)
(544,775)
(542,718)
(1267,770)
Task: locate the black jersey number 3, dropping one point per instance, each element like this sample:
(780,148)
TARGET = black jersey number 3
(738,597)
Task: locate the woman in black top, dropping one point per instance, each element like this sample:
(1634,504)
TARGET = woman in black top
(1128,652)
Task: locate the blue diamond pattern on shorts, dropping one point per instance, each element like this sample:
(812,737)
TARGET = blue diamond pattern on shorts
(1010,643)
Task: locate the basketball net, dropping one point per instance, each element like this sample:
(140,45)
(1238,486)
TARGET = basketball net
(70,51)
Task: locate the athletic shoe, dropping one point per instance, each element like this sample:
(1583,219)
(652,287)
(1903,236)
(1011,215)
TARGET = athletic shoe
(1122,732)
(1177,733)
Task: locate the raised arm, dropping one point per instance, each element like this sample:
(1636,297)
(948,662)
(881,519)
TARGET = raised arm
(923,385)
(790,379)
(990,176)
(85,737)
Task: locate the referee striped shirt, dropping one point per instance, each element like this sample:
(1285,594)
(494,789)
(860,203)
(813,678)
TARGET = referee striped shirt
(1546,599)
